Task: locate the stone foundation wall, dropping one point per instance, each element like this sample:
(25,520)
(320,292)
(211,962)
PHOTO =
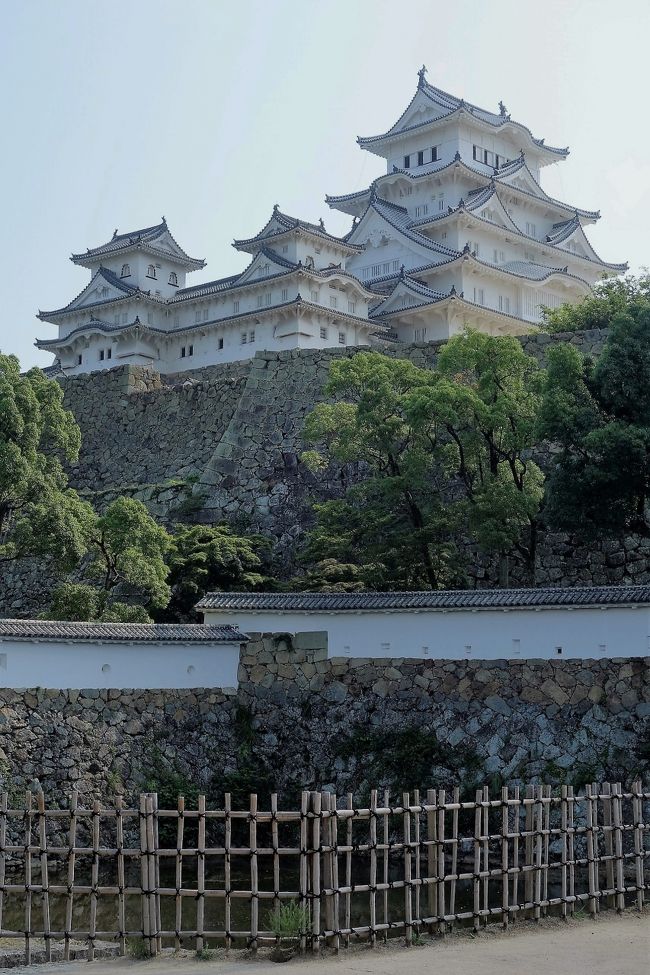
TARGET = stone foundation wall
(299,721)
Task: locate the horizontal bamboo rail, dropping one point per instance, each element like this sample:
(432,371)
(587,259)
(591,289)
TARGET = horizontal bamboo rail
(190,876)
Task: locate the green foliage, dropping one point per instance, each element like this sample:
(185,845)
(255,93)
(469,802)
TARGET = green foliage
(599,308)
(128,547)
(80,602)
(205,558)
(403,758)
(39,514)
(290,920)
(599,415)
(445,452)
(329,575)
(251,774)
(137,948)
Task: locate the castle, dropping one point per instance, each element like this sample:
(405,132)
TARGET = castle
(458,232)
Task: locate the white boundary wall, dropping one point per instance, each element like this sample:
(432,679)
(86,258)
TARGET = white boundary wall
(80,664)
(489,634)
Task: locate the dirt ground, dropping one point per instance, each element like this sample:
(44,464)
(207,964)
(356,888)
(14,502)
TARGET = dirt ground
(610,945)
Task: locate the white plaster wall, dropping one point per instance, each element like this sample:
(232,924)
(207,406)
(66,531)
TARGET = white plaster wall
(458,634)
(75,665)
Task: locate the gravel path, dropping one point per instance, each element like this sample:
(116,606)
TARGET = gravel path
(610,945)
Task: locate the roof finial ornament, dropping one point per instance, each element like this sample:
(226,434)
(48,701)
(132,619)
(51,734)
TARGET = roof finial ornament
(421,73)
(453,290)
(402,272)
(466,248)
(321,223)
(502,110)
(163,219)
(114,235)
(275,207)
(457,156)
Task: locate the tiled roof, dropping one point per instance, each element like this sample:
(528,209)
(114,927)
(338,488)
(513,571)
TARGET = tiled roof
(449,105)
(288,223)
(118,632)
(134,238)
(128,290)
(456,599)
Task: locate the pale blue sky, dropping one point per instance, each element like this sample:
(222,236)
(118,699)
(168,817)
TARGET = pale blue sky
(209,112)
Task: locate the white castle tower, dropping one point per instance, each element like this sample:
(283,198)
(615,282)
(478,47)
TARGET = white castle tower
(458,232)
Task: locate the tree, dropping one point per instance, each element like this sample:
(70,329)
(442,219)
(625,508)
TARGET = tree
(205,558)
(483,407)
(395,524)
(79,602)
(127,548)
(599,416)
(39,514)
(598,308)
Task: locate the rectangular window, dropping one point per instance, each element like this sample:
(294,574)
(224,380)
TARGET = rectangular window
(116,319)
(420,334)
(251,335)
(490,159)
(244,338)
(435,155)
(206,312)
(323,332)
(285,248)
(220,344)
(267,298)
(235,307)
(395,265)
(352,307)
(79,359)
(314,296)
(478,154)
(422,210)
(333,301)
(479,296)
(385,268)
(421,157)
(504,304)
(341,338)
(476,248)
(260,300)
(531,229)
(407,162)
(109,353)
(183,352)
(190,351)
(441,203)
(376,270)
(197,316)
(365,273)
(101,355)
(285,294)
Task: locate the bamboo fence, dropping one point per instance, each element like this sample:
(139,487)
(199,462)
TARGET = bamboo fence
(194,877)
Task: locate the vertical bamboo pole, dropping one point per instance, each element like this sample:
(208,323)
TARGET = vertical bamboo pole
(334,840)
(539,847)
(94,879)
(145,883)
(178,873)
(432,854)
(348,867)
(156,871)
(571,847)
(504,857)
(315,870)
(227,843)
(72,842)
(609,841)
(408,886)
(28,878)
(617,822)
(275,844)
(564,838)
(304,863)
(386,841)
(416,859)
(255,901)
(154,925)
(326,807)
(121,883)
(454,849)
(591,855)
(200,875)
(477,858)
(637,817)
(441,871)
(4,802)
(45,886)
(486,853)
(515,850)
(546,825)
(528,845)
(373,867)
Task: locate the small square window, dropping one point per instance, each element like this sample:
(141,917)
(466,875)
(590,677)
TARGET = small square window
(341,338)
(323,332)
